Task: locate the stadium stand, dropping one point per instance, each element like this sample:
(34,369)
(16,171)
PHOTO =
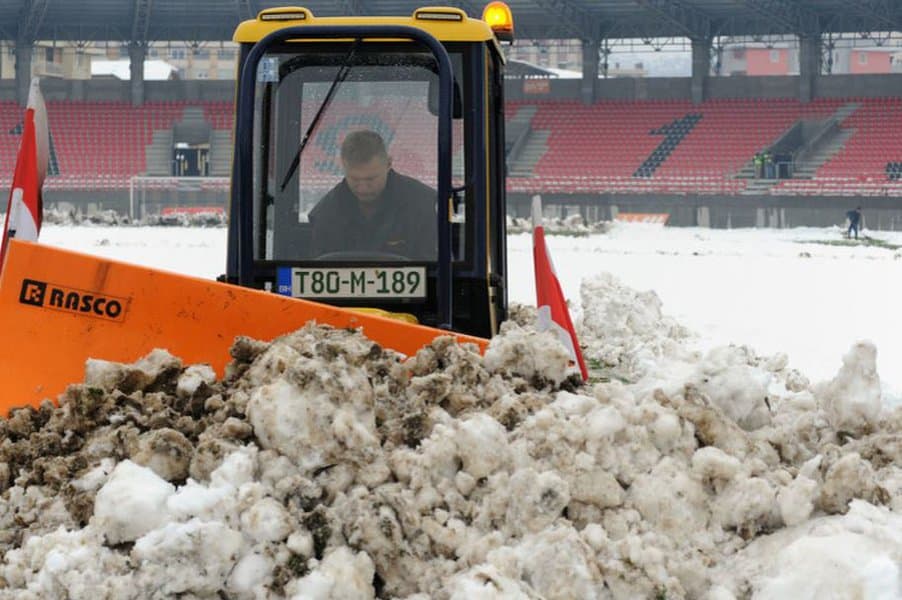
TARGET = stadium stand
(595,149)
(98,145)
(598,147)
(863,167)
(657,147)
(10,117)
(220,115)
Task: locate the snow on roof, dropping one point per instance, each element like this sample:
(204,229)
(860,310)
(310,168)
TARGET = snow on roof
(532,69)
(564,73)
(153,69)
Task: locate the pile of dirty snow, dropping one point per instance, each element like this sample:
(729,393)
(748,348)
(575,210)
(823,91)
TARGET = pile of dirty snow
(574,224)
(68,216)
(323,466)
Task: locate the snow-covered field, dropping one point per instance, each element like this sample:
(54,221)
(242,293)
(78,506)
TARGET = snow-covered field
(321,467)
(774,290)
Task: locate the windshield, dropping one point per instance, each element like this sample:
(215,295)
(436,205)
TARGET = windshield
(345,160)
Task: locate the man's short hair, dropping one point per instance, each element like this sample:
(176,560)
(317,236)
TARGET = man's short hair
(360,147)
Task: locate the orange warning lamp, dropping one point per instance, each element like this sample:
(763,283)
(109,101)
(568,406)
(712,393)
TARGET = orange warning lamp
(499,18)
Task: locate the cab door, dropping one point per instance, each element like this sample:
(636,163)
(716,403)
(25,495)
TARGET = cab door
(496,187)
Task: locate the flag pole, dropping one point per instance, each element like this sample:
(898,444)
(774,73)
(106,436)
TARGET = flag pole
(552,311)
(24,208)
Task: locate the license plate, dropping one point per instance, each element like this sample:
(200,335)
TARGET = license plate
(366,282)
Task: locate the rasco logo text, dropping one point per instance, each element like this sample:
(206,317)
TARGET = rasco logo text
(56,297)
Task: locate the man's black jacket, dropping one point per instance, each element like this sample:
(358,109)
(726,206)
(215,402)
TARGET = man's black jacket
(404,222)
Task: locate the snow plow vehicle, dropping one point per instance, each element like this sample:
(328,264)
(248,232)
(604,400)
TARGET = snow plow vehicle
(429,86)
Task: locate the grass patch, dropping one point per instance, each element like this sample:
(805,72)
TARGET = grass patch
(601,373)
(561,233)
(863,241)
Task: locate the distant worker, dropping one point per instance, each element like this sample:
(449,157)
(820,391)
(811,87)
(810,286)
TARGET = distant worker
(770,171)
(759,165)
(854,217)
(374,209)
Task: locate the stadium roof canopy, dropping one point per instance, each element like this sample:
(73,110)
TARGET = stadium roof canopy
(214,20)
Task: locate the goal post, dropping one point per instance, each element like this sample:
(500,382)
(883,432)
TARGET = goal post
(157,195)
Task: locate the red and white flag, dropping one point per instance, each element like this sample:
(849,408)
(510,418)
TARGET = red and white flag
(24,210)
(553,313)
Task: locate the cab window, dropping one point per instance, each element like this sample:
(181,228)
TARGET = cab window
(345,157)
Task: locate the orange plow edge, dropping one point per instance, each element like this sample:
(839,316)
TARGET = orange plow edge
(58,308)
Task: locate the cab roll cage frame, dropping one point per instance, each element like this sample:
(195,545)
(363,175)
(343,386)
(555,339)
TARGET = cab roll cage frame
(243,172)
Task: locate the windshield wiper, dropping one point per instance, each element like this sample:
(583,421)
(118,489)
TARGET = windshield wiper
(339,77)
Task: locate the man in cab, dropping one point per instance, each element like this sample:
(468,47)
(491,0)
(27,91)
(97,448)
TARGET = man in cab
(374,210)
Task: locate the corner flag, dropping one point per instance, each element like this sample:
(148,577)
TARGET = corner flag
(24,210)
(553,313)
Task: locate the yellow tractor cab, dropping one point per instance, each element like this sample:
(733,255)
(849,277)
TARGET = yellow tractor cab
(320,211)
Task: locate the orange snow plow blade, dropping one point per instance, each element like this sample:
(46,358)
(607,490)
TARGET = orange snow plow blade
(58,308)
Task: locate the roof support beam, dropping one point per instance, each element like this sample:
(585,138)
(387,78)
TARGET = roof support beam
(354,7)
(141,21)
(809,67)
(694,23)
(886,12)
(137,52)
(576,19)
(589,83)
(137,49)
(788,15)
(245,9)
(473,11)
(701,65)
(30,18)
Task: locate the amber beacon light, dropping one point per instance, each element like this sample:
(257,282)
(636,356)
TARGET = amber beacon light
(499,18)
